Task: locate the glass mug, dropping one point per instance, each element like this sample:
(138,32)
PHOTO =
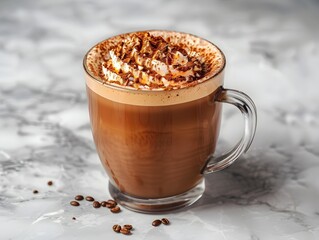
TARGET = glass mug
(157,146)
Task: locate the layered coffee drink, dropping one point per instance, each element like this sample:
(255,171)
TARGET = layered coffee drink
(153,116)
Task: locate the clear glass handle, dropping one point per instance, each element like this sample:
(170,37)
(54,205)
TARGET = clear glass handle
(248,109)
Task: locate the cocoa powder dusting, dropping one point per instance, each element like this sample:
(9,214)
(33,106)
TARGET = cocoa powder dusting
(144,61)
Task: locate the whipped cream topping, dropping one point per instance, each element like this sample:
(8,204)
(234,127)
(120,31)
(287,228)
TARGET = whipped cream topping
(154,60)
(144,61)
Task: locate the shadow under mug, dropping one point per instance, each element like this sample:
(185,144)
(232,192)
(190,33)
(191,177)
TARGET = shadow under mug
(156,146)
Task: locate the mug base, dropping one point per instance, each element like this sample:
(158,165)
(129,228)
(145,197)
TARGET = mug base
(155,205)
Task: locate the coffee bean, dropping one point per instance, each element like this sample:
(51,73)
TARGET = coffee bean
(79,197)
(117,228)
(110,203)
(156,222)
(50,183)
(125,231)
(103,204)
(128,226)
(116,209)
(75,203)
(96,204)
(35,191)
(165,221)
(89,198)
(74,218)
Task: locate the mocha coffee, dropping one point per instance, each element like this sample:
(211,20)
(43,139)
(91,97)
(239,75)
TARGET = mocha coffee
(153,116)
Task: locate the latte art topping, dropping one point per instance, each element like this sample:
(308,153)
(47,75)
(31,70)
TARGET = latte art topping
(144,61)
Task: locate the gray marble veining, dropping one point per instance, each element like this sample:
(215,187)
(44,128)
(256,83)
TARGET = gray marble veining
(273,55)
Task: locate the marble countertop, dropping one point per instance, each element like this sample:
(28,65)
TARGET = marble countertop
(271,193)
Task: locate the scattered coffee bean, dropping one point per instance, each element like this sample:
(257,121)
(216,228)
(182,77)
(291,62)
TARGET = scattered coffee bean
(50,183)
(156,222)
(35,191)
(79,197)
(117,228)
(75,203)
(110,203)
(128,226)
(74,218)
(89,198)
(125,231)
(96,204)
(116,209)
(165,221)
(103,204)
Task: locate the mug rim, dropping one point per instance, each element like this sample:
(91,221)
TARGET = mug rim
(209,77)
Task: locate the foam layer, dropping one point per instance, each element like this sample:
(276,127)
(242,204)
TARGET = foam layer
(188,91)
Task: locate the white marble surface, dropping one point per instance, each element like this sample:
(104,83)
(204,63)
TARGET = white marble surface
(272,49)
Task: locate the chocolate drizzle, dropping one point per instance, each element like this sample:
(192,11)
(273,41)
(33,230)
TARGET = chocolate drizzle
(142,60)
(154,60)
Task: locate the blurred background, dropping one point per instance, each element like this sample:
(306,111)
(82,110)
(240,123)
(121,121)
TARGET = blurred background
(272,55)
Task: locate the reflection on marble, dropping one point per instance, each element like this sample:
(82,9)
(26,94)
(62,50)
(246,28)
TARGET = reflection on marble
(270,193)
